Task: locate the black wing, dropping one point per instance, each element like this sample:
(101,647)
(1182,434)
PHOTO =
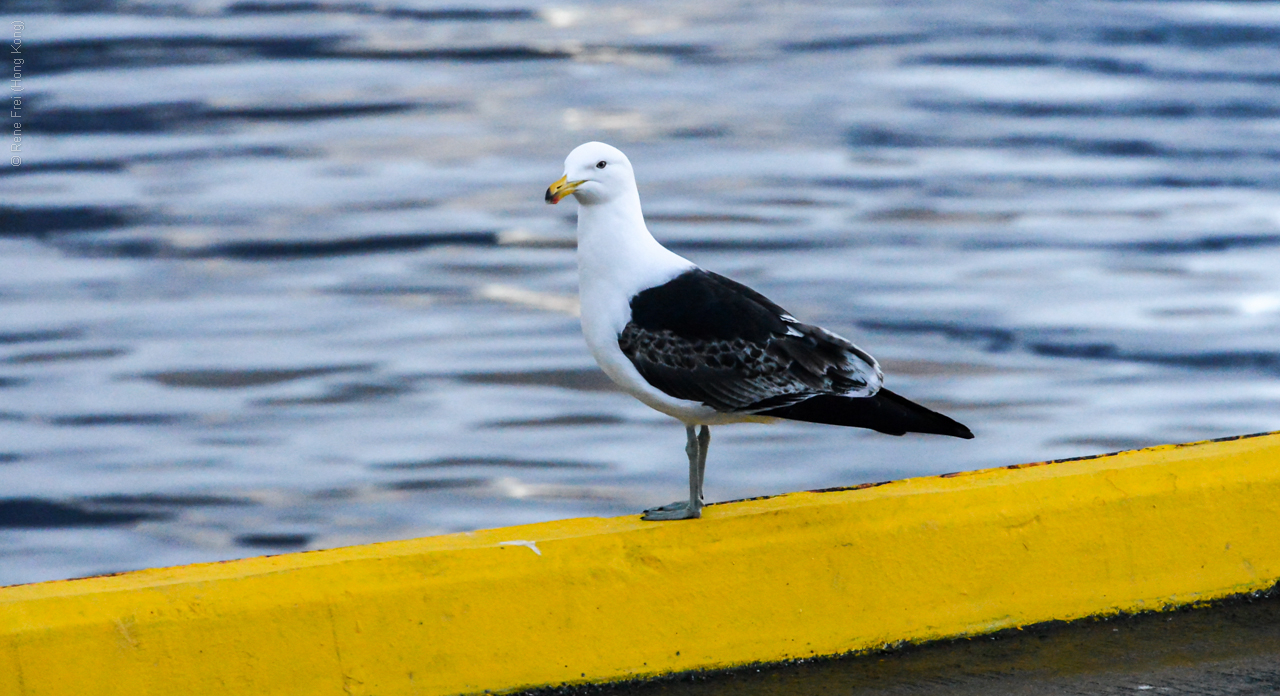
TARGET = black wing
(706,338)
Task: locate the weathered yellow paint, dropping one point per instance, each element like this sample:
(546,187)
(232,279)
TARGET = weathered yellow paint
(598,599)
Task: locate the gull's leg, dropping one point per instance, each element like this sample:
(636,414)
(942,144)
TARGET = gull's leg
(692,508)
(704,443)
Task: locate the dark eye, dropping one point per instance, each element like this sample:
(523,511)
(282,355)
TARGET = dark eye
(601,164)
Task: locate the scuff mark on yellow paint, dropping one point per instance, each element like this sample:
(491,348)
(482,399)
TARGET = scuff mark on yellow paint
(531,545)
(124,626)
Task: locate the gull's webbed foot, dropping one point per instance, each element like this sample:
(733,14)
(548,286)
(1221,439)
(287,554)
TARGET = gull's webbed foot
(691,509)
(679,510)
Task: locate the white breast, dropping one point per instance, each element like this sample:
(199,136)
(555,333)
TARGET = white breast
(617,259)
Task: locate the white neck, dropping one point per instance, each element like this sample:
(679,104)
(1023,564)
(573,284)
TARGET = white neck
(618,257)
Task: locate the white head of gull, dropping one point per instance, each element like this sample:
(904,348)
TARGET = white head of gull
(700,347)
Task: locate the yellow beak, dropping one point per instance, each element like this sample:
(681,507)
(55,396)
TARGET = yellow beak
(563,187)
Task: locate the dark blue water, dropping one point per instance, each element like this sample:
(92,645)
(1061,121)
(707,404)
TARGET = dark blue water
(278,275)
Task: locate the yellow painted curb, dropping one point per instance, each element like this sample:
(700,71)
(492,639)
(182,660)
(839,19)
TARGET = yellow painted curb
(798,575)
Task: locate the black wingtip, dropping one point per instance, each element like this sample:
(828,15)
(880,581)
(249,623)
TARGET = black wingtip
(885,412)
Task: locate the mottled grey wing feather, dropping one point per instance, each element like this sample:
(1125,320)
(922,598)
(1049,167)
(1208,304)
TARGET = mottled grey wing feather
(689,350)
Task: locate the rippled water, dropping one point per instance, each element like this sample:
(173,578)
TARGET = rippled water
(277,274)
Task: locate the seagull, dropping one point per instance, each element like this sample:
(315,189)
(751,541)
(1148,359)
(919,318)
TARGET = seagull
(702,348)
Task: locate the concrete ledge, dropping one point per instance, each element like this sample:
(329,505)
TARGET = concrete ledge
(798,575)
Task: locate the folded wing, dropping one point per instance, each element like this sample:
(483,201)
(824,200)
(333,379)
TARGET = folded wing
(706,338)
